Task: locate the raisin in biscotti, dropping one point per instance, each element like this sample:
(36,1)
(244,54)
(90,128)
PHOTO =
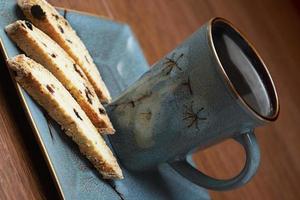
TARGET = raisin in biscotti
(63,108)
(46,18)
(47,52)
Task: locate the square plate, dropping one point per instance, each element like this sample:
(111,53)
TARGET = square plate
(115,49)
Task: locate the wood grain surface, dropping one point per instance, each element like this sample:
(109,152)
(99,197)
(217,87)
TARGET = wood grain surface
(160,25)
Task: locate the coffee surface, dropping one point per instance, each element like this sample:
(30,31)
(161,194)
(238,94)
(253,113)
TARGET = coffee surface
(239,63)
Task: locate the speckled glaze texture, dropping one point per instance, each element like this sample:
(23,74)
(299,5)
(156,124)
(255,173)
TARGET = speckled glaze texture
(183,102)
(180,104)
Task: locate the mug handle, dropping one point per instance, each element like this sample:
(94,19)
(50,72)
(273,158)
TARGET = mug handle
(248,141)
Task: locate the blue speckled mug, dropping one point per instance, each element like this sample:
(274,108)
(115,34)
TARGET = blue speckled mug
(212,87)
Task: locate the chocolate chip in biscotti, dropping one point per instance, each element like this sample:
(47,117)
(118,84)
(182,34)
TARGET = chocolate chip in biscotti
(88,95)
(69,41)
(53,55)
(29,25)
(78,70)
(56,16)
(102,111)
(44,44)
(88,91)
(50,88)
(37,12)
(77,114)
(61,29)
(15,73)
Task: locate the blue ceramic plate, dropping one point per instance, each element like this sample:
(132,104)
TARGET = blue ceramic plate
(121,62)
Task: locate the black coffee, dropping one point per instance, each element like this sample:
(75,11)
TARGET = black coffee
(242,66)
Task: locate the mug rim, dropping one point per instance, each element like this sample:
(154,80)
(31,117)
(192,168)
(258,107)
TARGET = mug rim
(265,118)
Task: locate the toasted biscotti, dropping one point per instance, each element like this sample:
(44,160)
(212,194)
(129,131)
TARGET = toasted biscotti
(62,107)
(46,18)
(47,52)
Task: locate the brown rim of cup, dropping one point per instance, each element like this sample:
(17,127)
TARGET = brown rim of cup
(261,69)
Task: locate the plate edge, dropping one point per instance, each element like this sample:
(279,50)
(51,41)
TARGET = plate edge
(33,125)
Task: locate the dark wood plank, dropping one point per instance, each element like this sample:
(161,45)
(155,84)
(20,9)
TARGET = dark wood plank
(160,25)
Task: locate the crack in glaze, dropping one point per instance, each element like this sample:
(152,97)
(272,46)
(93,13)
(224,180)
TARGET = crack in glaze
(188,84)
(50,127)
(113,186)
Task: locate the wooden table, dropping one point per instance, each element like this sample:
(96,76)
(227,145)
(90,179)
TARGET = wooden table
(160,25)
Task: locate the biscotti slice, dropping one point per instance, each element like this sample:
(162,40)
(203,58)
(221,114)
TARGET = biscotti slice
(63,108)
(47,52)
(46,18)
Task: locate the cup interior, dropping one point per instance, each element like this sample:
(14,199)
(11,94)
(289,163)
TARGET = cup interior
(244,70)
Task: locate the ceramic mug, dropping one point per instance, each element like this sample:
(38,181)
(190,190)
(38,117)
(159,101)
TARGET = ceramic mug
(212,87)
